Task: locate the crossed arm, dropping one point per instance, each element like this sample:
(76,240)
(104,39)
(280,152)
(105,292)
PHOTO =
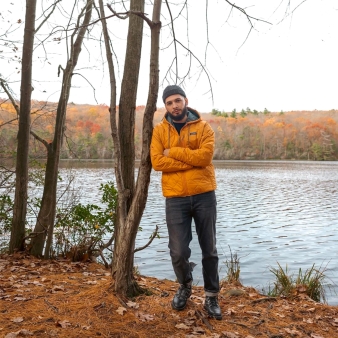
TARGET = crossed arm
(179,158)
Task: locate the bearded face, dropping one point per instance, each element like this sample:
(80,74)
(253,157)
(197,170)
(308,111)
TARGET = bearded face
(177,107)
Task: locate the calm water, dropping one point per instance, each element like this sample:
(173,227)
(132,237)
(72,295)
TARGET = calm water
(268,212)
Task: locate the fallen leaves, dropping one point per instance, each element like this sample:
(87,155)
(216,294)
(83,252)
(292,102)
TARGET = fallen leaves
(133,305)
(143,317)
(20,333)
(17,320)
(121,310)
(63,323)
(182,326)
(229,335)
(63,299)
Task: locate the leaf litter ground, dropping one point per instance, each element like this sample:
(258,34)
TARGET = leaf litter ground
(60,298)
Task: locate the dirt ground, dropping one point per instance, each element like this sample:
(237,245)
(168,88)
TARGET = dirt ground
(63,299)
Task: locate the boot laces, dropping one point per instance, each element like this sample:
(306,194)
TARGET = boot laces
(184,291)
(212,301)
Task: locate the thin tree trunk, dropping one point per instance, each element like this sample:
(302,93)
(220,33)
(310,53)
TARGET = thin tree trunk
(127,103)
(128,219)
(21,184)
(45,220)
(124,246)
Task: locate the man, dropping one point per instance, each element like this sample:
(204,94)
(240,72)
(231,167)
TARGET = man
(182,148)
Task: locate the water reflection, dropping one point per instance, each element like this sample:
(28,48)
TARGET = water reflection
(268,212)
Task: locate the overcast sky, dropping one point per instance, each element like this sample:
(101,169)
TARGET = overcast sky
(289,63)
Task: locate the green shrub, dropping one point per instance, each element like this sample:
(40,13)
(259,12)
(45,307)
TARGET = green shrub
(83,228)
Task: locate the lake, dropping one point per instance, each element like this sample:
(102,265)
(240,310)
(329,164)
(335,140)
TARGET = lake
(269,212)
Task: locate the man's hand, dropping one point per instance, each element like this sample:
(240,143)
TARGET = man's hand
(166,152)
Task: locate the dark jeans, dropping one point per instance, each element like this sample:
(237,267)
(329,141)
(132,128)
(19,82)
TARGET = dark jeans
(179,214)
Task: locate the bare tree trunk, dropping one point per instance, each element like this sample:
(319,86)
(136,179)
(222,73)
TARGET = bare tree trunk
(124,261)
(20,199)
(127,103)
(126,124)
(45,220)
(129,218)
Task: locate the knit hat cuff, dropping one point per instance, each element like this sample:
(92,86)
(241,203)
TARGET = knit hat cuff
(172,90)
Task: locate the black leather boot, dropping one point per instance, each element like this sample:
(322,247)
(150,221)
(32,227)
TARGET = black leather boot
(211,306)
(180,299)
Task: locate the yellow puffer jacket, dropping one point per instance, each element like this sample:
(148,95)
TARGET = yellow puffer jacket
(188,170)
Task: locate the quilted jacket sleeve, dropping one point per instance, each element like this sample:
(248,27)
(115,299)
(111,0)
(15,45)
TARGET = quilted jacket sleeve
(161,162)
(200,157)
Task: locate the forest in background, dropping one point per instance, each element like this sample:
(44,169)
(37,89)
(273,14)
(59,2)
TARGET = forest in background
(245,135)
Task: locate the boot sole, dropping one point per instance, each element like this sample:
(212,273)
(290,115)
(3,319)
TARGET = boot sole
(213,315)
(178,308)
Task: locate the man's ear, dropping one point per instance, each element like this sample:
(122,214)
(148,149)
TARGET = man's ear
(186,101)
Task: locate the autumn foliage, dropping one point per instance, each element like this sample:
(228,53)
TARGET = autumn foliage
(301,135)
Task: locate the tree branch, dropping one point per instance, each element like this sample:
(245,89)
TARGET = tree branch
(125,15)
(196,58)
(16,107)
(173,30)
(37,137)
(155,233)
(48,16)
(249,17)
(89,84)
(8,122)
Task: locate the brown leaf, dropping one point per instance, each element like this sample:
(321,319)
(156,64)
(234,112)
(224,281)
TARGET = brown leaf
(19,298)
(292,332)
(199,330)
(5,296)
(191,313)
(253,295)
(11,335)
(133,305)
(182,326)
(197,298)
(17,286)
(121,310)
(64,324)
(314,335)
(189,321)
(144,316)
(230,312)
(37,283)
(309,320)
(58,288)
(255,313)
(25,332)
(17,320)
(229,334)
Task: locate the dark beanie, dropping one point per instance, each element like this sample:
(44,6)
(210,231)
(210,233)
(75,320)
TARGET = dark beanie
(172,90)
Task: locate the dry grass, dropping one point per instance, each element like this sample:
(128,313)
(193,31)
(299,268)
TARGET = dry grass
(63,299)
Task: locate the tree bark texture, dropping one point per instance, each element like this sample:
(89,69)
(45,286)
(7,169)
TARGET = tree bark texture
(45,221)
(125,243)
(127,102)
(21,184)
